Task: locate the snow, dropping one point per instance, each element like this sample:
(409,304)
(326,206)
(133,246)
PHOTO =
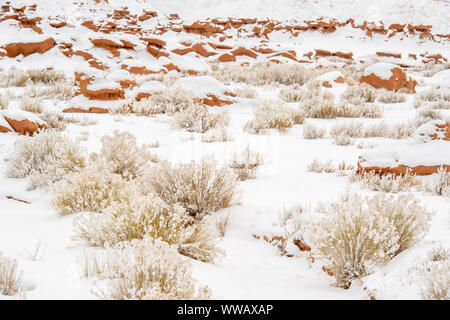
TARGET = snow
(251,269)
(202,86)
(382,70)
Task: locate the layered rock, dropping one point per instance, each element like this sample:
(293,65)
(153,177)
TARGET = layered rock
(388,76)
(424,154)
(20,121)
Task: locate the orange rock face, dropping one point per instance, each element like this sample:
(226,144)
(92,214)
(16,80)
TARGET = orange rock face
(15,49)
(90,110)
(212,100)
(25,127)
(397,81)
(402,170)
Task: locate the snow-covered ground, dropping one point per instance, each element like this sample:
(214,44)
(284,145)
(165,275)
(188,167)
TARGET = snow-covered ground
(252,268)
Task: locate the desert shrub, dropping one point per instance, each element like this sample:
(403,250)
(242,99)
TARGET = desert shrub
(10,276)
(246,163)
(58,90)
(356,234)
(148,269)
(387,96)
(444,105)
(321,166)
(169,101)
(440,187)
(342,140)
(387,183)
(429,114)
(352,74)
(311,131)
(200,187)
(293,94)
(46,158)
(56,120)
(360,111)
(274,115)
(197,118)
(433,274)
(148,216)
(431,95)
(359,94)
(121,155)
(31,105)
(217,134)
(348,129)
(92,189)
(4,102)
(318,103)
(393,131)
(20,78)
(246,91)
(264,73)
(221,223)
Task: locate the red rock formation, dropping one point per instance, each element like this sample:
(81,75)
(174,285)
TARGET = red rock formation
(89,110)
(15,49)
(212,100)
(389,54)
(25,126)
(402,170)
(397,81)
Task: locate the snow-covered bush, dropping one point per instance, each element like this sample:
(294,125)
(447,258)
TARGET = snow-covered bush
(360,111)
(387,183)
(246,163)
(274,114)
(92,189)
(321,166)
(318,103)
(55,120)
(429,114)
(311,131)
(58,90)
(293,94)
(144,269)
(349,129)
(246,91)
(200,187)
(440,187)
(148,216)
(197,118)
(359,94)
(393,131)
(342,140)
(121,155)
(265,73)
(169,101)
(388,96)
(217,134)
(20,78)
(356,234)
(33,105)
(4,102)
(46,158)
(433,274)
(10,276)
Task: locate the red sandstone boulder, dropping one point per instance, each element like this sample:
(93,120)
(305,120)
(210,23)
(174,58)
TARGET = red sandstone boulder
(332,79)
(27,48)
(388,76)
(20,121)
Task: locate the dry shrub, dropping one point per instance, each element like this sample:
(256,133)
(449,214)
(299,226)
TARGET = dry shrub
(221,222)
(246,91)
(57,120)
(352,74)
(360,111)
(246,163)
(148,269)
(149,216)
(321,166)
(58,90)
(32,105)
(200,187)
(4,102)
(432,95)
(388,96)
(274,114)
(433,272)
(169,101)
(20,78)
(92,189)
(440,187)
(121,155)
(393,131)
(429,114)
(10,276)
(318,103)
(45,158)
(311,131)
(357,234)
(359,94)
(349,129)
(293,94)
(387,183)
(197,118)
(342,140)
(265,73)
(217,134)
